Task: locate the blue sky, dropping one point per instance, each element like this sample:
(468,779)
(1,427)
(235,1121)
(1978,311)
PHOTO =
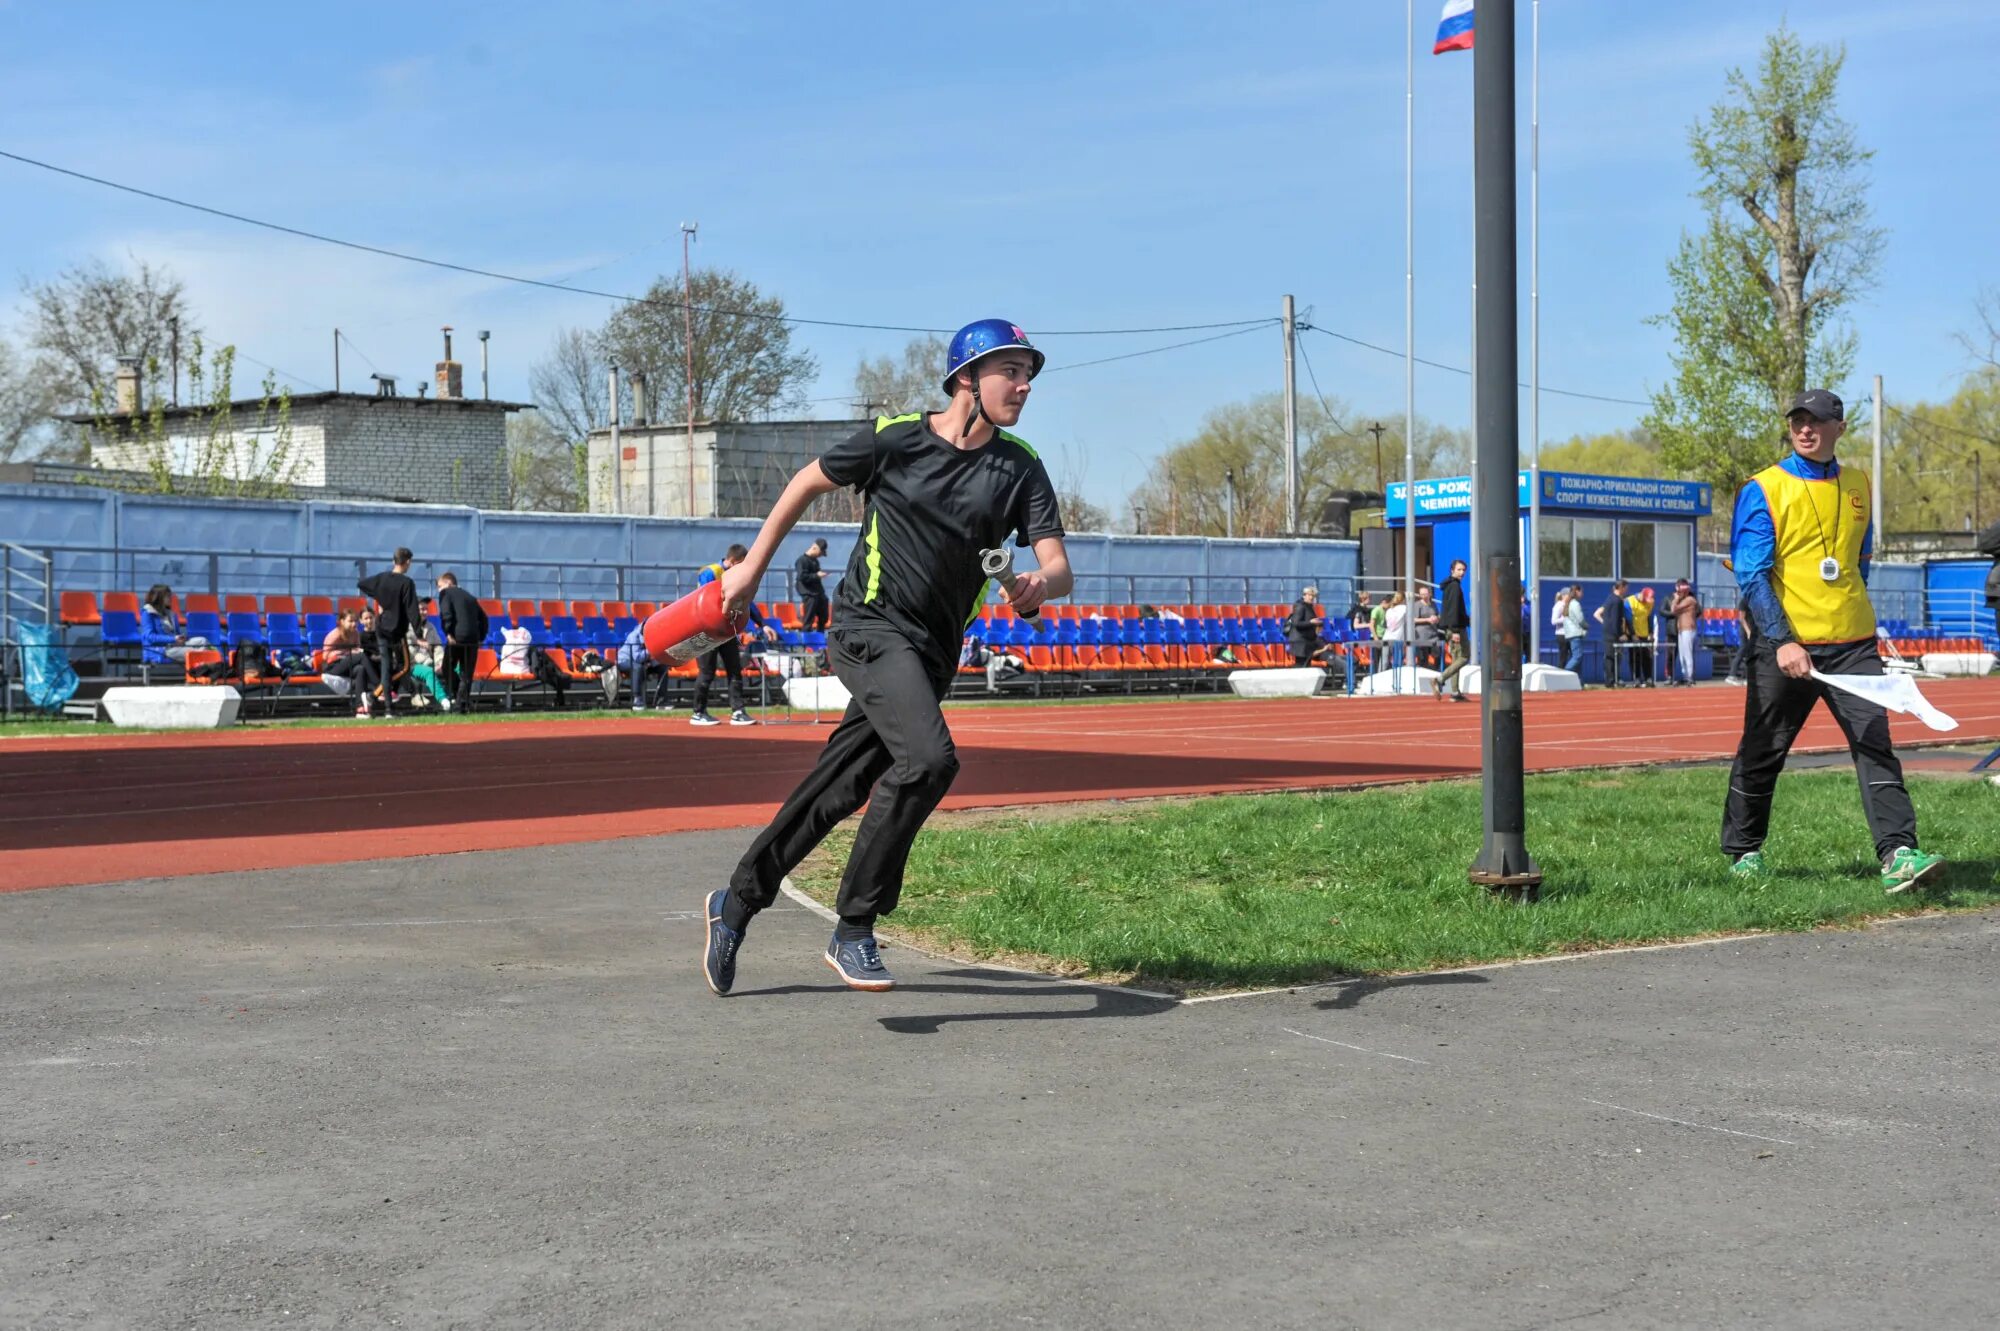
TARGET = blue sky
(1065,165)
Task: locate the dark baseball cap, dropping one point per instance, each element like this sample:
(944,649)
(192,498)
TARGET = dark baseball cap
(1819,403)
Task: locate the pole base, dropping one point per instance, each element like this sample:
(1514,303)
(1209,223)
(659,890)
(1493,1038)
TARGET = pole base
(1505,869)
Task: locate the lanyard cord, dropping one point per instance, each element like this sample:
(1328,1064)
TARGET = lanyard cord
(1826,547)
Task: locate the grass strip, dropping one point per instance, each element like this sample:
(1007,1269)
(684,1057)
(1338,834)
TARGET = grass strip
(1230,892)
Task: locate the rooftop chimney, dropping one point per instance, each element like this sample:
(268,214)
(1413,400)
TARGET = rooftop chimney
(450,374)
(127,380)
(638,379)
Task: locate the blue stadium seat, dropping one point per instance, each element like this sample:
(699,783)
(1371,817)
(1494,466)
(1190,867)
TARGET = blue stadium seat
(205,624)
(120,628)
(284,630)
(243,627)
(317,627)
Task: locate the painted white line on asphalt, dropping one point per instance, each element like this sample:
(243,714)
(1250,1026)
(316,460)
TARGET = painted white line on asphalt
(1684,1123)
(791,890)
(494,919)
(1400,1058)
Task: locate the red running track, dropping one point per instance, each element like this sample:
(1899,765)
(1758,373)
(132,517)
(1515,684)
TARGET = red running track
(106,808)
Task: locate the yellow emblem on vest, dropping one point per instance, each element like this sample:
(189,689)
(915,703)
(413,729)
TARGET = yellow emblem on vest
(1818,521)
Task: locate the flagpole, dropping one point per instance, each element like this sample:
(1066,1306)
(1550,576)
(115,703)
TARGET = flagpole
(1474,576)
(1409,318)
(1535,339)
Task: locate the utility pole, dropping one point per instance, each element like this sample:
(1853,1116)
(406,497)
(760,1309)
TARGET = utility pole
(1875,475)
(1375,428)
(174,341)
(1229,503)
(1291,422)
(1503,866)
(687,310)
(336,360)
(617,453)
(485,393)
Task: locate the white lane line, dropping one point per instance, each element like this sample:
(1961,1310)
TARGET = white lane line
(1684,1123)
(1400,1058)
(676,915)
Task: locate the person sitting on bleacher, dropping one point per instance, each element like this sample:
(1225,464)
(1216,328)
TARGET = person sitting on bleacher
(345,668)
(160,629)
(1302,632)
(634,660)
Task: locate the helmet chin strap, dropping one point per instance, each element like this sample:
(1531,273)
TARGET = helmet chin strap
(978,410)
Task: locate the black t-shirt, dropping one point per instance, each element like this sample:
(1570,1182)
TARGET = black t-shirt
(931,509)
(806,575)
(397,596)
(1615,613)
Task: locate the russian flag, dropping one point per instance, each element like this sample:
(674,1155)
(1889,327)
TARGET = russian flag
(1455,27)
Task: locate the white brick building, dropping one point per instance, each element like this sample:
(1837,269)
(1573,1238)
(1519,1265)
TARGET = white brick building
(342,445)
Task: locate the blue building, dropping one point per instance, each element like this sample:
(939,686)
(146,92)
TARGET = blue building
(1592,530)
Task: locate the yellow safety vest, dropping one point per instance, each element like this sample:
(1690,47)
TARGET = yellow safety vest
(1814,521)
(1642,616)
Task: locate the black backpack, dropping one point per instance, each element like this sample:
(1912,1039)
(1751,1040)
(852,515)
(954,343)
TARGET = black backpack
(250,660)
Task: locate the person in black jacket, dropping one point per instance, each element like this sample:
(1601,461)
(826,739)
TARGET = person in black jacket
(813,608)
(396,597)
(1452,623)
(463,620)
(1302,631)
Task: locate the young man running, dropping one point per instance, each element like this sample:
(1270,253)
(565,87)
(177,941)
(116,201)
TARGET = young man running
(1801,542)
(940,488)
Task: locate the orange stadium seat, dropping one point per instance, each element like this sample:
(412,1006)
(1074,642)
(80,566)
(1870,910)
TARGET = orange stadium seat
(280,605)
(200,603)
(237,604)
(79,609)
(316,605)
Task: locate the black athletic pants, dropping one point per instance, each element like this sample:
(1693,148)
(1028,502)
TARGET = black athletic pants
(1775,706)
(731,657)
(893,734)
(1612,664)
(392,661)
(461,662)
(814,611)
(356,666)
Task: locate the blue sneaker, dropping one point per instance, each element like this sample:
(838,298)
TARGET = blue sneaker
(718,962)
(858,963)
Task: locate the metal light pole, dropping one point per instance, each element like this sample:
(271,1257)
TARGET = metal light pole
(687,309)
(617,453)
(1291,421)
(1409,306)
(1503,865)
(1875,476)
(1534,552)
(485,388)
(336,361)
(1229,503)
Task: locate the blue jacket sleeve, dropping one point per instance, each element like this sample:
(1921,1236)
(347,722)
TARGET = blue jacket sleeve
(1753,547)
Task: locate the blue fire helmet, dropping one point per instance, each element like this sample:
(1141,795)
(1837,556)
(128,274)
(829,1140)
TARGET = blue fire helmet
(981,339)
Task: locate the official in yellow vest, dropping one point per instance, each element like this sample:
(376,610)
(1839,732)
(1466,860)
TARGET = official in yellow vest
(1801,541)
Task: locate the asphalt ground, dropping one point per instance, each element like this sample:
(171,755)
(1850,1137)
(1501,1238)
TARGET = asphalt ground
(490,1090)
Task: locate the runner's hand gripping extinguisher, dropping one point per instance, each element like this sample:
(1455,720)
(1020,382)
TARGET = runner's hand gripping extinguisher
(696,623)
(999,566)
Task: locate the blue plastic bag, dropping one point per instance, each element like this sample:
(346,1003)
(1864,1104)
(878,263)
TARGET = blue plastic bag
(45,668)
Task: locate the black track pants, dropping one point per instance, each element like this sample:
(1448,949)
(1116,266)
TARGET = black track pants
(1774,709)
(731,657)
(461,663)
(892,740)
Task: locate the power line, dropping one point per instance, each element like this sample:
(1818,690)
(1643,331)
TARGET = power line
(1154,351)
(1940,425)
(515,278)
(1338,423)
(282,374)
(1440,365)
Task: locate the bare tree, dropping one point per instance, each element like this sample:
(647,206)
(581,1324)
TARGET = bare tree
(25,428)
(83,319)
(543,471)
(744,364)
(909,382)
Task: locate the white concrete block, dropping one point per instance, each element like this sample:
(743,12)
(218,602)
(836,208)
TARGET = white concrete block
(1400,682)
(1958,663)
(1537,678)
(822,693)
(173,706)
(1286,682)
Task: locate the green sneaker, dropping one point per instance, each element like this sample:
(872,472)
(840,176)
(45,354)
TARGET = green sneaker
(1750,865)
(1910,867)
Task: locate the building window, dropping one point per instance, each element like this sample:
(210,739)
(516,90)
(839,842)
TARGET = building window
(1556,559)
(1593,547)
(1673,550)
(1635,549)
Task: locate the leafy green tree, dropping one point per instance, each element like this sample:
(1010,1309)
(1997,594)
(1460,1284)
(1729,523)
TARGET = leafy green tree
(1786,247)
(218,448)
(1941,461)
(1621,453)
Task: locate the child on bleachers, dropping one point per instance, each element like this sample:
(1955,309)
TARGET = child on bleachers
(344,667)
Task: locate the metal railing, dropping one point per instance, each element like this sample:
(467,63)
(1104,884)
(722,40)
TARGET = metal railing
(22,572)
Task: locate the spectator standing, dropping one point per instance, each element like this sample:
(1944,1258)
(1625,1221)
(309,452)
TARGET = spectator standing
(1572,629)
(1639,608)
(814,609)
(1615,619)
(1453,622)
(1685,608)
(729,654)
(1396,632)
(396,598)
(1801,539)
(1424,630)
(465,626)
(160,629)
(1378,632)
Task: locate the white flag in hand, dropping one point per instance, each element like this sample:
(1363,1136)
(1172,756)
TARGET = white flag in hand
(1897,692)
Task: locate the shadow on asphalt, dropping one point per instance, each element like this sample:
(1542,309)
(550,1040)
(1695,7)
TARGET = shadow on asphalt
(1351,992)
(1003,986)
